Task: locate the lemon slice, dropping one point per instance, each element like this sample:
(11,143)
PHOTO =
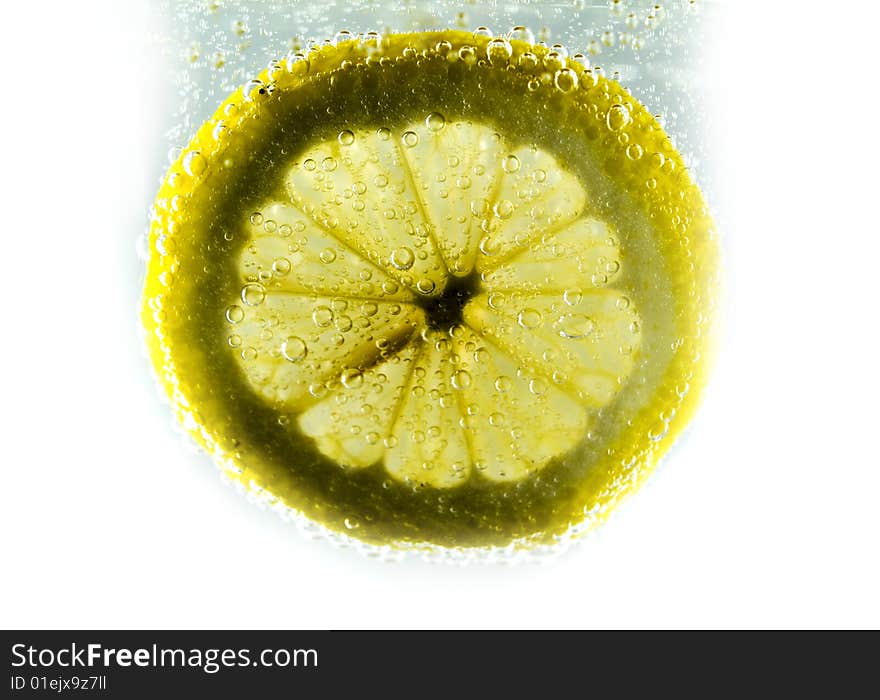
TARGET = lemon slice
(434,289)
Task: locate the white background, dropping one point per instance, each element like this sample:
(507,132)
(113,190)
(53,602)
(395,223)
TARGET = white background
(765,515)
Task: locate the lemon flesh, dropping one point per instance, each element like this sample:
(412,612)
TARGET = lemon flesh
(337,321)
(433,289)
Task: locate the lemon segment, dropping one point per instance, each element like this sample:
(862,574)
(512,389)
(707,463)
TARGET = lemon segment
(456,168)
(293,254)
(293,348)
(354,427)
(360,188)
(503,403)
(536,198)
(587,346)
(582,255)
(427,440)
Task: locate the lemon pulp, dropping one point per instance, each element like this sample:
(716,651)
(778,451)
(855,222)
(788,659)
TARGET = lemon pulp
(432,289)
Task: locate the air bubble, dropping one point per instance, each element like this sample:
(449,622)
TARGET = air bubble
(572,297)
(555,60)
(521,34)
(461,379)
(342,324)
(425,286)
(281,266)
(410,139)
(488,246)
(234,314)
(618,117)
(327,256)
(528,61)
(589,79)
(296,62)
(503,383)
(565,80)
(219,131)
(468,54)
(634,151)
(352,378)
(658,431)
(294,349)
(538,386)
(253,89)
(322,316)
(403,258)
(194,163)
(497,420)
(529,319)
(496,300)
(318,389)
(369,308)
(510,164)
(581,59)
(503,209)
(575,326)
(435,121)
(346,137)
(499,51)
(253,294)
